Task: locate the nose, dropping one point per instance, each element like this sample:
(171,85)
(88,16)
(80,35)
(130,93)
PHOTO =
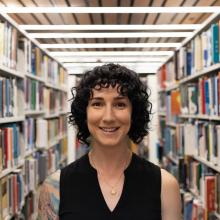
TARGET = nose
(108,114)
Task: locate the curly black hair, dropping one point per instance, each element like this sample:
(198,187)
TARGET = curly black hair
(128,84)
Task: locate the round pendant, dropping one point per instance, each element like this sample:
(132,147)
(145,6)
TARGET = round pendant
(113,192)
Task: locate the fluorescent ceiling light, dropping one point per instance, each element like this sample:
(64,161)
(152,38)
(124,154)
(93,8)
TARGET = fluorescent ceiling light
(71,65)
(81,70)
(111,10)
(111,53)
(115,59)
(110,35)
(112,27)
(112,45)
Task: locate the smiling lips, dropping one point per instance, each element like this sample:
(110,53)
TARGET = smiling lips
(109,130)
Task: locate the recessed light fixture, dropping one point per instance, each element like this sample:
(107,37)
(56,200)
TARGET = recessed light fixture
(110,10)
(111,35)
(112,27)
(112,45)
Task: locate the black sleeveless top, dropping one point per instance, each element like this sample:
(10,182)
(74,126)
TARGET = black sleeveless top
(81,197)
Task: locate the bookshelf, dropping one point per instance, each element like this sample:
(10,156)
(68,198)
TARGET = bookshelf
(189,120)
(33,122)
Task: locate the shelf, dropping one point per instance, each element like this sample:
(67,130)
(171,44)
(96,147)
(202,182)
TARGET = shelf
(172,87)
(7,171)
(161,90)
(29,75)
(11,119)
(203,72)
(10,72)
(55,115)
(162,114)
(62,136)
(29,152)
(63,112)
(55,87)
(171,124)
(207,163)
(172,159)
(204,117)
(34,112)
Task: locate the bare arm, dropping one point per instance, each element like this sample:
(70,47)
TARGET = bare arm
(170,197)
(48,205)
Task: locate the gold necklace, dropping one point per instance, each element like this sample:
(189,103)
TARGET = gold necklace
(113,190)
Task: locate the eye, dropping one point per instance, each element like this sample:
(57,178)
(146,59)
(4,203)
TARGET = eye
(120,105)
(96,104)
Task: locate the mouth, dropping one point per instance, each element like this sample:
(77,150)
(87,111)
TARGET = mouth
(109,130)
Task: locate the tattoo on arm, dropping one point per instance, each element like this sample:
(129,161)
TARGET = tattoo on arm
(48,205)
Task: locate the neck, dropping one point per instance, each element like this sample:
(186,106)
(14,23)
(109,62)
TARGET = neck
(110,161)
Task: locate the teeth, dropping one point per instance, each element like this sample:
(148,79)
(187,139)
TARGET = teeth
(109,129)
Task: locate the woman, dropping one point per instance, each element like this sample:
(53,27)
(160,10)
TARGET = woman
(110,107)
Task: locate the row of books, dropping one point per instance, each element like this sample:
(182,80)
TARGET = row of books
(16,140)
(11,194)
(17,187)
(15,97)
(49,131)
(19,53)
(54,101)
(8,45)
(11,96)
(200,188)
(199,138)
(204,185)
(200,53)
(34,95)
(10,146)
(36,62)
(202,97)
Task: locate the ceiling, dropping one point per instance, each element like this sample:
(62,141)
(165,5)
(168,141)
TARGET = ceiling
(115,44)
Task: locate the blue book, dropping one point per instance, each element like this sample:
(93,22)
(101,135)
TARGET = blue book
(207,96)
(188,63)
(188,210)
(215,43)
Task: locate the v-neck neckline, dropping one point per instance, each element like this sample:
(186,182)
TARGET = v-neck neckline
(99,190)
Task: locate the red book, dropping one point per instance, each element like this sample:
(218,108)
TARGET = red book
(210,193)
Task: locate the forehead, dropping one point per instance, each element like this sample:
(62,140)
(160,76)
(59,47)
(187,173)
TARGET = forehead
(109,91)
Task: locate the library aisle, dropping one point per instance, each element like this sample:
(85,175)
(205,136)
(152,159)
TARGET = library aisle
(46,46)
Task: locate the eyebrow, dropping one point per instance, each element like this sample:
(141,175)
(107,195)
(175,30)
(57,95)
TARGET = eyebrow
(115,98)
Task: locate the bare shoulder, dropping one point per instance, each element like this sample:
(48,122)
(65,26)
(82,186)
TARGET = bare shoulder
(170,197)
(49,198)
(168,179)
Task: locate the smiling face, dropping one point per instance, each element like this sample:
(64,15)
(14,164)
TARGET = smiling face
(109,117)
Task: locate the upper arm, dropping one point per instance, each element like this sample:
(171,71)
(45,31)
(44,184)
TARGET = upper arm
(48,205)
(170,197)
